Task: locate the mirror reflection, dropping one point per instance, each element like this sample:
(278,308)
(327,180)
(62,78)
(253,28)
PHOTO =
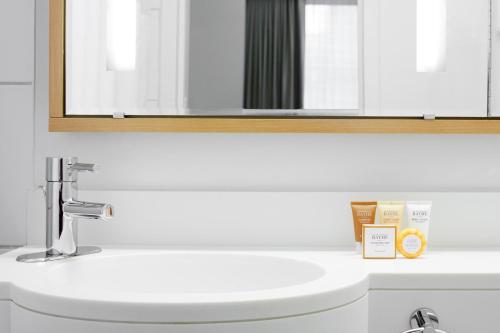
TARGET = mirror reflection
(277,57)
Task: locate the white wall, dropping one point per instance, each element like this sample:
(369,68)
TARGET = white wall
(260,162)
(16,38)
(267,219)
(16,115)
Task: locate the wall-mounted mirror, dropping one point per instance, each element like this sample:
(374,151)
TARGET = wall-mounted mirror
(323,59)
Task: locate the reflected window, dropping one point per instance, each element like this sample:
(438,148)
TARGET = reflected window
(121,34)
(431,36)
(331,55)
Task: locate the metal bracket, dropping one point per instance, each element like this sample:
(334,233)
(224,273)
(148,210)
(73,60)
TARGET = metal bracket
(119,115)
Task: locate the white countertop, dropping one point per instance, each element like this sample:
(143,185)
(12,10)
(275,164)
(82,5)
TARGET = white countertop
(348,278)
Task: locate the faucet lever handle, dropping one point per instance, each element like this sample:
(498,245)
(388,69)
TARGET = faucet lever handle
(84,167)
(60,169)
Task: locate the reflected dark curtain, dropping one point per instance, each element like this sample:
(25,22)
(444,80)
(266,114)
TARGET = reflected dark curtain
(274,54)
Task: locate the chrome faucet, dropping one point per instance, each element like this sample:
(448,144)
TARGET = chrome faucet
(63,210)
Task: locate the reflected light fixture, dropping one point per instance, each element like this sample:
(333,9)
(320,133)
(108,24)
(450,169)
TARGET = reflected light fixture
(431,35)
(121,39)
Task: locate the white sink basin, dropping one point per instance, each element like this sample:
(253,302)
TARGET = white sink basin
(188,286)
(181,291)
(182,273)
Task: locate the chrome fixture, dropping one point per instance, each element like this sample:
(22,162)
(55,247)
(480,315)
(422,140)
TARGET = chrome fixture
(63,210)
(424,321)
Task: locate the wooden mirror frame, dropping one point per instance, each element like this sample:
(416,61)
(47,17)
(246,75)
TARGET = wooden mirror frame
(59,122)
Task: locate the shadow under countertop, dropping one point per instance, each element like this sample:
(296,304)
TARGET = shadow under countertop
(5,249)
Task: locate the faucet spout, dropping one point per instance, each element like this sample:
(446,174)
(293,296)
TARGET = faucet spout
(89,210)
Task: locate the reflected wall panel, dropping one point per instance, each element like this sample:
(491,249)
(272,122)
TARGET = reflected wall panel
(458,85)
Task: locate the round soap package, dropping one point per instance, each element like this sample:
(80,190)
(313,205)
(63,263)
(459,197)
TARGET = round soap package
(411,243)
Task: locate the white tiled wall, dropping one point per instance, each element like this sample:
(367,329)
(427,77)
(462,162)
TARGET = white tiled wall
(16,164)
(17,27)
